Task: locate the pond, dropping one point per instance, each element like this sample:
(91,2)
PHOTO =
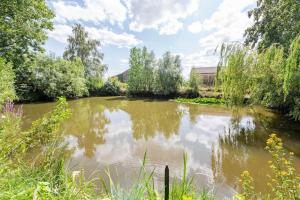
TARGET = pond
(113,133)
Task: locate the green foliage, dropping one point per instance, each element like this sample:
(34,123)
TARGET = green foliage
(195,82)
(247,187)
(112,87)
(23,28)
(53,77)
(46,178)
(275,21)
(234,76)
(267,76)
(7,77)
(23,31)
(169,74)
(81,46)
(145,79)
(201,100)
(285,184)
(141,72)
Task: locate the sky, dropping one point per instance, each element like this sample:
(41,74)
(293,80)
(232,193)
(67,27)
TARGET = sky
(189,28)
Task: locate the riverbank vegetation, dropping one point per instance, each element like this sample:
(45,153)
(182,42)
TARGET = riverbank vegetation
(269,74)
(268,78)
(200,100)
(148,76)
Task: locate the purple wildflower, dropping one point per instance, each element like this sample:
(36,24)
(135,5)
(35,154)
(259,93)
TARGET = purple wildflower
(10,108)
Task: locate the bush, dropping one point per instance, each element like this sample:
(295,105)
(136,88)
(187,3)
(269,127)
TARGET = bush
(195,82)
(112,87)
(54,77)
(94,85)
(6,81)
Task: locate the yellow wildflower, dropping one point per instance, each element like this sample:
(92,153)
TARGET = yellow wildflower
(186,198)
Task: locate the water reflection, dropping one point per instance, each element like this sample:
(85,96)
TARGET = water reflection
(115,132)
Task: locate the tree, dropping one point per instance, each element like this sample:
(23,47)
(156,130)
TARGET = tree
(23,31)
(233,76)
(267,76)
(141,72)
(135,70)
(275,21)
(23,28)
(148,70)
(169,74)
(55,77)
(87,49)
(111,87)
(195,82)
(291,86)
(6,82)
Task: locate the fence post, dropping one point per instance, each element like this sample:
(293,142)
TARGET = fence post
(167,183)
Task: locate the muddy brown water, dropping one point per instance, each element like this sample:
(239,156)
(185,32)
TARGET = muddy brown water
(113,133)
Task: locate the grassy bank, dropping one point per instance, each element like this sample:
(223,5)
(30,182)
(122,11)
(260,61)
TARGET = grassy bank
(200,100)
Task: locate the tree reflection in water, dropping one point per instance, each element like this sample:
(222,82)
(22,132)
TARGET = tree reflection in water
(87,124)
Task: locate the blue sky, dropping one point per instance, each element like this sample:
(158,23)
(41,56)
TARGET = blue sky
(190,28)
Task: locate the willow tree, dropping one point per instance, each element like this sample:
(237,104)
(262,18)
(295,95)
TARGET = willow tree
(233,73)
(292,79)
(267,76)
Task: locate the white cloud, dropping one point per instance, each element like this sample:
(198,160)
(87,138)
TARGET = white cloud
(61,33)
(125,61)
(195,27)
(92,11)
(198,59)
(163,15)
(226,24)
(229,14)
(109,37)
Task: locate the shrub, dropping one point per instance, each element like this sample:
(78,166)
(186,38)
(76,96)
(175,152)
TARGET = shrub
(195,82)
(112,87)
(6,82)
(54,77)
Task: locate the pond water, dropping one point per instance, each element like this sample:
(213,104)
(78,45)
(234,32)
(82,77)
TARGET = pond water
(114,133)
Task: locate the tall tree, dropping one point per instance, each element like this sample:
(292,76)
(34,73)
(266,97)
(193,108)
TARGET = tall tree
(169,74)
(23,28)
(23,31)
(141,72)
(275,21)
(135,71)
(233,75)
(87,49)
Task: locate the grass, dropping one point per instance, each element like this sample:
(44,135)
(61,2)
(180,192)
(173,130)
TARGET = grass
(200,100)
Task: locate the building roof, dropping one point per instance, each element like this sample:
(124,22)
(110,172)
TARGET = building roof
(205,70)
